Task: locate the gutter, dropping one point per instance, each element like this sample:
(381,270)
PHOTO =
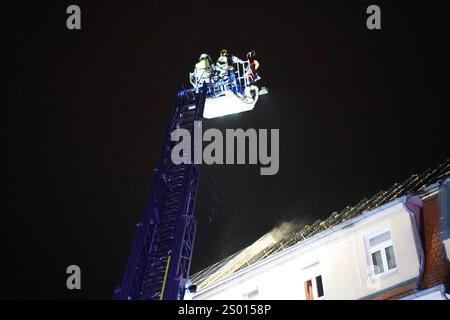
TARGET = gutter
(439,288)
(415,203)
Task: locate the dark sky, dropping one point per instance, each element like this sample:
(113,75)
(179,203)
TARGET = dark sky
(86,114)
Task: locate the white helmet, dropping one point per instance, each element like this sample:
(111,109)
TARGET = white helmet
(204,56)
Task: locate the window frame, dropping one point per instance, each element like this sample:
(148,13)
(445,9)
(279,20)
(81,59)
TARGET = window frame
(382,246)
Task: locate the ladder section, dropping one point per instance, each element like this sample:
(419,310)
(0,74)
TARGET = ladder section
(159,263)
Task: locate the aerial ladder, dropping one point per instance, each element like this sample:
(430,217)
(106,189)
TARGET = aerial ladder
(160,258)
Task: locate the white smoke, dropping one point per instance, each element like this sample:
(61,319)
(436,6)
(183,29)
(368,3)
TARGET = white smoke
(280,232)
(286,228)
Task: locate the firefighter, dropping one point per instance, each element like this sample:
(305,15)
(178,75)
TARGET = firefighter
(203,69)
(252,72)
(225,68)
(222,64)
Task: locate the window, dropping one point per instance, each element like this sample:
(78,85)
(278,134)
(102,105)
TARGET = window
(309,290)
(319,286)
(381,252)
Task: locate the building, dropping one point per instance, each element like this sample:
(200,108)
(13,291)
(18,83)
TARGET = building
(394,245)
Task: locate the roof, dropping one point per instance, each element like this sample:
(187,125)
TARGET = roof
(268,245)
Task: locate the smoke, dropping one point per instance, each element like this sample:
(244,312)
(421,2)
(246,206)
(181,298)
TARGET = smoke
(286,228)
(280,232)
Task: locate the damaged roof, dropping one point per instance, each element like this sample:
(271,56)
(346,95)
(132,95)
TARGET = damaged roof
(267,245)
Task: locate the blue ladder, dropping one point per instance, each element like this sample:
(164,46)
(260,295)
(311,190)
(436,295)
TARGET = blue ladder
(158,266)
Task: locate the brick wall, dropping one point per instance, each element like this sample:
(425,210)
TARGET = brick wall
(436,268)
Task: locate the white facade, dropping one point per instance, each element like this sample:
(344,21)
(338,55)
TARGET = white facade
(369,254)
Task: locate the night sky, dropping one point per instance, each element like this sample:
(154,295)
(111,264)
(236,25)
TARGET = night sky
(87,111)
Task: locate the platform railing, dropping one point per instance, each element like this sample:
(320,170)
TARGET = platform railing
(237,82)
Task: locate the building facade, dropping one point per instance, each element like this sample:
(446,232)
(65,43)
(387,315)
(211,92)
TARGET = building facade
(397,250)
